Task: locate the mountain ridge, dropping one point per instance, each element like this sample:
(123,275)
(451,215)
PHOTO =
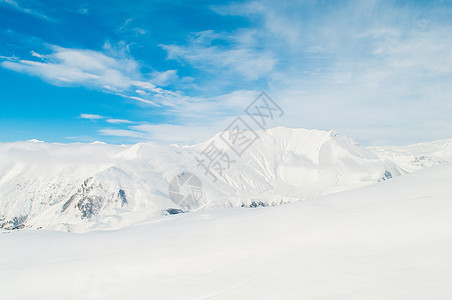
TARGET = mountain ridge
(80,187)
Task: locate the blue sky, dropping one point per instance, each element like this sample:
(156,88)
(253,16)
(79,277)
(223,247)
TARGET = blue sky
(180,71)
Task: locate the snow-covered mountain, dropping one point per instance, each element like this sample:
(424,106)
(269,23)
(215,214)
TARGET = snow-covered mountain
(80,187)
(391,240)
(417,156)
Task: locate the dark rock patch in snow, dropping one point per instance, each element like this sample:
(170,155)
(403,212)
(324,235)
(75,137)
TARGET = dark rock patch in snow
(174,211)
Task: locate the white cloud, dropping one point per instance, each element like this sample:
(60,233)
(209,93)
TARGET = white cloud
(168,133)
(140,99)
(200,119)
(165,78)
(75,66)
(125,24)
(139,31)
(108,120)
(127,27)
(9,58)
(35,54)
(28,11)
(186,133)
(123,133)
(91,117)
(375,70)
(119,121)
(118,74)
(236,59)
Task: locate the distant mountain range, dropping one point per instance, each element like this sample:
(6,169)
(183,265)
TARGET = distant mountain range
(82,187)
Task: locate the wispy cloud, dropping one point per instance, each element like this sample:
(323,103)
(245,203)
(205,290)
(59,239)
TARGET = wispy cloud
(167,133)
(198,119)
(118,73)
(91,117)
(165,78)
(358,66)
(127,27)
(83,11)
(14,4)
(123,133)
(118,121)
(236,58)
(106,119)
(372,69)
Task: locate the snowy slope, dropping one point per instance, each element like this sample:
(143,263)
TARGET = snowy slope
(417,156)
(80,187)
(391,240)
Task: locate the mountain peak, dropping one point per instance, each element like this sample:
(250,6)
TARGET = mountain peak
(282,165)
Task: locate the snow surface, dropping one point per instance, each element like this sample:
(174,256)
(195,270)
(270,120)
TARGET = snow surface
(415,157)
(82,187)
(390,240)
